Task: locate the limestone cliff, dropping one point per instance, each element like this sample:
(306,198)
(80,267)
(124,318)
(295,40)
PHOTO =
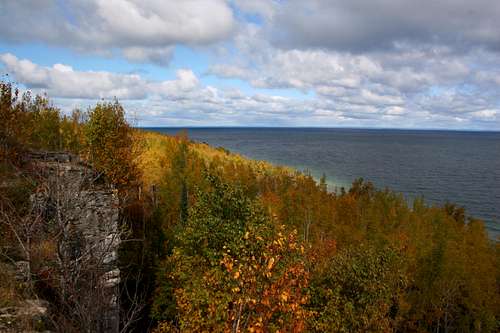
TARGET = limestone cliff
(81,213)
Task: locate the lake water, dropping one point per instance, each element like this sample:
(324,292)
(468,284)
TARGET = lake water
(460,167)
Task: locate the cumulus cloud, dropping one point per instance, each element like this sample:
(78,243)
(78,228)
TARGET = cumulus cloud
(181,98)
(359,25)
(186,101)
(64,82)
(144,29)
(405,85)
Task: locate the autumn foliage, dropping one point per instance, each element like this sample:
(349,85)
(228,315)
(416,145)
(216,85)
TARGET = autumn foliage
(235,245)
(108,142)
(233,270)
(371,261)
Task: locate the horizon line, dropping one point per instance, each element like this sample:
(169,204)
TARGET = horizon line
(323,127)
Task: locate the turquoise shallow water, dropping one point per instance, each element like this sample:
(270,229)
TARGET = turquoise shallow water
(460,167)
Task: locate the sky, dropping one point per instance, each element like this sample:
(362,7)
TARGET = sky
(427,64)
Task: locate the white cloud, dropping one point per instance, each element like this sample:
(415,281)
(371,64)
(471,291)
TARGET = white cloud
(145,30)
(159,22)
(186,82)
(181,101)
(183,97)
(408,85)
(361,63)
(64,82)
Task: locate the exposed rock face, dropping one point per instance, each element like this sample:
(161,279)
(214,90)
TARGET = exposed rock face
(87,213)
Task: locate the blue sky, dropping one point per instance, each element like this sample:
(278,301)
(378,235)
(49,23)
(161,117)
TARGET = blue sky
(328,63)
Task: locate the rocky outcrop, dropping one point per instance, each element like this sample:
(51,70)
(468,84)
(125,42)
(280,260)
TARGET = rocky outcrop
(86,211)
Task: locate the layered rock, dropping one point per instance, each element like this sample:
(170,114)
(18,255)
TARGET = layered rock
(86,211)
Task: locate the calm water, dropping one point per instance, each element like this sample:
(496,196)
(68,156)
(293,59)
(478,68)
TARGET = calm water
(460,167)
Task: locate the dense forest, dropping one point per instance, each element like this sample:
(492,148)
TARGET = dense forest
(222,243)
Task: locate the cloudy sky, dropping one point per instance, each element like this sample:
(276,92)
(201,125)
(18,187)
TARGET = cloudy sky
(330,63)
